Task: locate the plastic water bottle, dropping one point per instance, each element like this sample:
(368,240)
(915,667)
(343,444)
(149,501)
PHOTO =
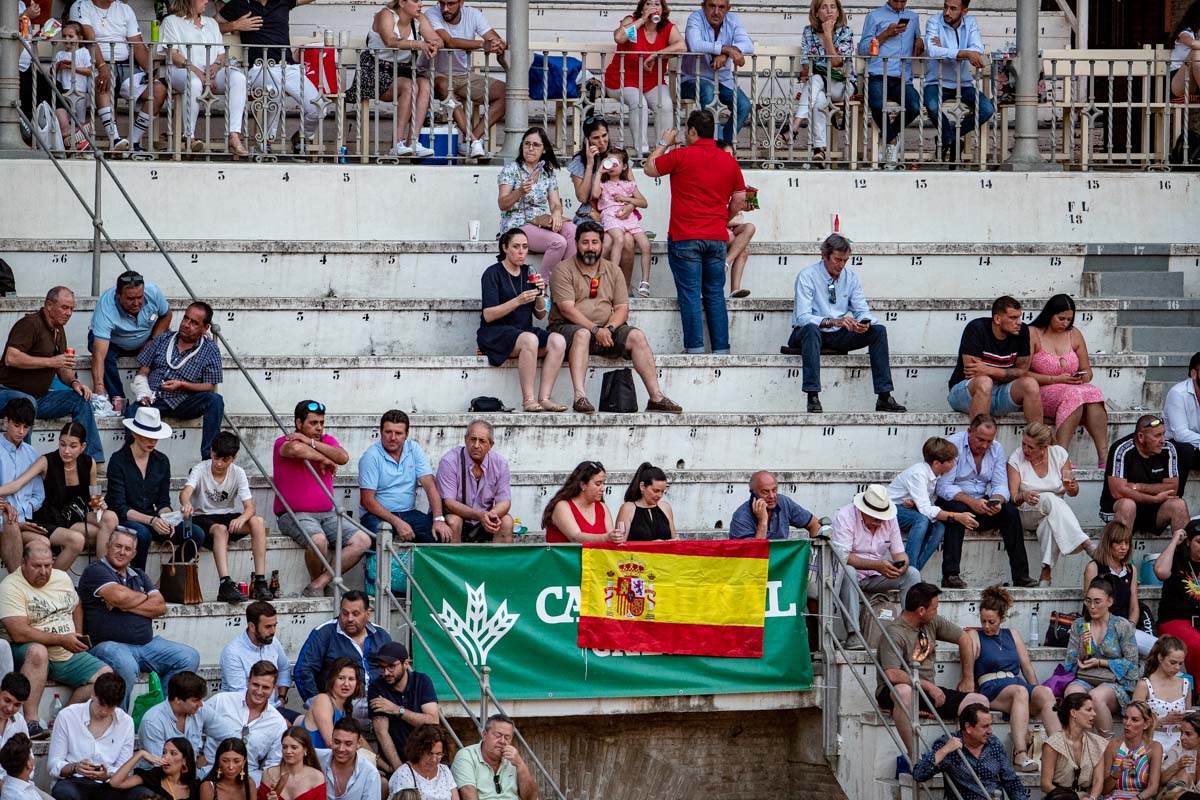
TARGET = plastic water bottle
(1033,628)
(55,707)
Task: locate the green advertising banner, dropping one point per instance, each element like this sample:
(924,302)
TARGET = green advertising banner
(516,610)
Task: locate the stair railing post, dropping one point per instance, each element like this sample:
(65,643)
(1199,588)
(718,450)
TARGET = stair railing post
(485,692)
(383,576)
(914,722)
(97,225)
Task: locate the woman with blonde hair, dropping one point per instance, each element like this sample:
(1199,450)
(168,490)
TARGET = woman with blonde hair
(1039,477)
(1164,690)
(827,45)
(1133,760)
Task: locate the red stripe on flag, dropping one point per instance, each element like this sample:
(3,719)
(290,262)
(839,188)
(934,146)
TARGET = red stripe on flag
(734,641)
(720,548)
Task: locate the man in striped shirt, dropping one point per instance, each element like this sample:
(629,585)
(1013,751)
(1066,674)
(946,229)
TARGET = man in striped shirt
(992,373)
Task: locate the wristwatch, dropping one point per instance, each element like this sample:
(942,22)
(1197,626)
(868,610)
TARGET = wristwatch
(439,519)
(595,328)
(662,142)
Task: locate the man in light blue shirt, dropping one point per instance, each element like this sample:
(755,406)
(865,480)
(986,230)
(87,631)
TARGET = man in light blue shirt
(978,484)
(953,38)
(831,313)
(184,707)
(127,316)
(16,456)
(388,476)
(712,30)
(257,643)
(889,75)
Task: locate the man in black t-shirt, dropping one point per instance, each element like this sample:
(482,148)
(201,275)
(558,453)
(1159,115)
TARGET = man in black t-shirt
(1141,480)
(399,702)
(992,373)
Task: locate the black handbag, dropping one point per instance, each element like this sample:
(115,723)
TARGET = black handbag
(487,405)
(617,394)
(1058,632)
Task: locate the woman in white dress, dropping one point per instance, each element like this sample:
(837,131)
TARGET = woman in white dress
(1164,689)
(1039,477)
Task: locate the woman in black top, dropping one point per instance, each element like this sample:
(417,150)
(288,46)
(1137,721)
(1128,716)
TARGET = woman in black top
(173,776)
(510,302)
(646,515)
(1178,567)
(139,488)
(67,475)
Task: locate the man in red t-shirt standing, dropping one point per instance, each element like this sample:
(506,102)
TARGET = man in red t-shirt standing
(706,188)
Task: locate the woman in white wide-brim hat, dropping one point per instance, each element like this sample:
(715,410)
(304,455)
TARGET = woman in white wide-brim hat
(139,487)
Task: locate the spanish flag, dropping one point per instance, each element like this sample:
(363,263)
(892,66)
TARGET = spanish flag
(700,598)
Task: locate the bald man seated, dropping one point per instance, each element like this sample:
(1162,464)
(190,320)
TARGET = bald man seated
(768,514)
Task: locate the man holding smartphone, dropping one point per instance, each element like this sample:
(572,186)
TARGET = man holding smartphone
(41,616)
(889,74)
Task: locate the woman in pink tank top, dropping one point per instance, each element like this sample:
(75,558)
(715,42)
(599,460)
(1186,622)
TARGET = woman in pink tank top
(577,512)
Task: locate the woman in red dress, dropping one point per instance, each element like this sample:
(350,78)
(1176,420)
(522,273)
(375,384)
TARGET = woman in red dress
(638,77)
(577,512)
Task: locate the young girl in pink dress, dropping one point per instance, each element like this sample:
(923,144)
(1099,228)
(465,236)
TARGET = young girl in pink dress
(616,196)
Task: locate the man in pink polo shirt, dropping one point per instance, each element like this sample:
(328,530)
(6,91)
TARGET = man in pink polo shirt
(316,515)
(706,189)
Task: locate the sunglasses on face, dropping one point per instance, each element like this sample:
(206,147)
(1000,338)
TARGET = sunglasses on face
(595,288)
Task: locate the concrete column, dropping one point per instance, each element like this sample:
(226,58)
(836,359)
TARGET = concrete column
(516,112)
(11,145)
(1025,155)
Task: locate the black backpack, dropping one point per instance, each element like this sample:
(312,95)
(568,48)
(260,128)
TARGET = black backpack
(1188,144)
(8,284)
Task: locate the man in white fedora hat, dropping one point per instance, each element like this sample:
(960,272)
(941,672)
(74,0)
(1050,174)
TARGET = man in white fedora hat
(867,532)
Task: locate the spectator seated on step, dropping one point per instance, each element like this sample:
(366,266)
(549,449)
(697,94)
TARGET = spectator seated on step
(425,769)
(1141,481)
(896,30)
(1177,566)
(978,485)
(90,742)
(830,312)
(139,490)
(916,633)
(35,355)
(313,523)
(127,316)
(16,761)
(1113,558)
(14,693)
(991,375)
(1181,415)
(401,700)
(494,768)
(955,49)
(591,311)
(577,513)
(181,714)
(389,474)
(914,491)
(352,635)
(179,372)
(342,690)
(40,611)
(217,499)
(475,488)
(972,752)
(119,603)
(769,515)
(257,643)
(463,28)
(866,531)
(349,775)
(249,717)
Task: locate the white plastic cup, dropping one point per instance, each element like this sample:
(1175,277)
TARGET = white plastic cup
(473,230)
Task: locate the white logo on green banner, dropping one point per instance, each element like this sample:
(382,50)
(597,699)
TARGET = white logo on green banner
(476,635)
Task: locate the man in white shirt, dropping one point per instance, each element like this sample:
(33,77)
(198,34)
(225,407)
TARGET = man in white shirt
(16,758)
(348,775)
(14,691)
(78,757)
(256,643)
(464,28)
(1181,413)
(250,717)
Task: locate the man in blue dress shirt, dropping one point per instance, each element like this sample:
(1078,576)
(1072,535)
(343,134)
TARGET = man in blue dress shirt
(889,74)
(711,29)
(953,38)
(831,313)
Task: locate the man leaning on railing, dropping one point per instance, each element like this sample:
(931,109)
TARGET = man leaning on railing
(458,25)
(969,753)
(953,39)
(713,30)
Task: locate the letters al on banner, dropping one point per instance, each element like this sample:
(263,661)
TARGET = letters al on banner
(516,610)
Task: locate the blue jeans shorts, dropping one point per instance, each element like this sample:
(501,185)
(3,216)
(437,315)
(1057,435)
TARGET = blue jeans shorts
(1002,402)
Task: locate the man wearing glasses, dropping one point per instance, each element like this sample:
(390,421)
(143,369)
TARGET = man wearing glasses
(494,769)
(1141,480)
(248,716)
(127,316)
(830,313)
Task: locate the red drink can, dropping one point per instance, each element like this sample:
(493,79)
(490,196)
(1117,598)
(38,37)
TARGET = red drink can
(242,587)
(70,351)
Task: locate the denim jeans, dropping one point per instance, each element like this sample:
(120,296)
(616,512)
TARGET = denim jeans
(924,535)
(739,106)
(811,340)
(877,95)
(419,521)
(698,266)
(63,403)
(871,584)
(112,373)
(1007,523)
(157,655)
(968,96)
(209,405)
(146,535)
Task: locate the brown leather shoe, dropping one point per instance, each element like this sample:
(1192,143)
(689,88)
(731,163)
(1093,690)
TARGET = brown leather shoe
(665,406)
(583,406)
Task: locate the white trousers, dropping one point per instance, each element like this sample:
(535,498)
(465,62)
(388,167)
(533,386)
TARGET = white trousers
(1057,528)
(657,99)
(817,103)
(229,82)
(287,79)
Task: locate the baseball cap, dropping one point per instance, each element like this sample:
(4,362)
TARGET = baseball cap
(392,652)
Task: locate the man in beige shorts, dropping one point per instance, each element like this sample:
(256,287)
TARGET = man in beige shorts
(462,29)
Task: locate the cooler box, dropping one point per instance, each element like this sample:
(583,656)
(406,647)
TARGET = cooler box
(444,144)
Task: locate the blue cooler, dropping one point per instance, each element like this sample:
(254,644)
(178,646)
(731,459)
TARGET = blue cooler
(444,144)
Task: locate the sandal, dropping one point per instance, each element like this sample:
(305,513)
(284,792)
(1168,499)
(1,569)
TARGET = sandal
(1023,763)
(644,288)
(532,407)
(549,405)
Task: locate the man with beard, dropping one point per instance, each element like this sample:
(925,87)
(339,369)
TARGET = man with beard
(351,635)
(257,643)
(401,700)
(591,309)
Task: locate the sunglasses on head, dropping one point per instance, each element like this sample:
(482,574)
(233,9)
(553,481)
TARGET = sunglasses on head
(128,279)
(596,465)
(1154,423)
(595,287)
(315,406)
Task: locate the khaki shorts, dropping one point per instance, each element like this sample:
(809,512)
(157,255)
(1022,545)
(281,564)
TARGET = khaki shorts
(479,85)
(618,349)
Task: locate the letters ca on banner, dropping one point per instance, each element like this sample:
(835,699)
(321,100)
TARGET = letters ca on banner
(515,609)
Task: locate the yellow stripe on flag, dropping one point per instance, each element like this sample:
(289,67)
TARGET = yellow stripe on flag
(682,589)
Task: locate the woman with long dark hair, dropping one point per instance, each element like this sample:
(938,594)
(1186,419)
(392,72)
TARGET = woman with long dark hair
(576,512)
(1073,757)
(1059,363)
(645,514)
(1163,688)
(1185,57)
(529,200)
(173,774)
(343,686)
(582,168)
(227,778)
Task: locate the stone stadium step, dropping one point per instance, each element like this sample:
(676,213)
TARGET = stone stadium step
(699,383)
(450,269)
(553,442)
(1158,338)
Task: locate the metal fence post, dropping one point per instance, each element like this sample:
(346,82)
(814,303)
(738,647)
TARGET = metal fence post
(11,144)
(1025,155)
(383,576)
(97,226)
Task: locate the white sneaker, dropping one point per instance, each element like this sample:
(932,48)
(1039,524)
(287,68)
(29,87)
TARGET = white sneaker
(101,407)
(478,150)
(891,156)
(421,151)
(400,149)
